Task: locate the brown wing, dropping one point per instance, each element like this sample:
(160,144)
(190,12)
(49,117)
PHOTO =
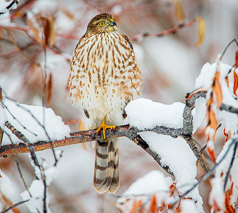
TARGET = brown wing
(127,39)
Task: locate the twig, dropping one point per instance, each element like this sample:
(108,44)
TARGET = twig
(140,142)
(13,206)
(230,165)
(165,32)
(25,140)
(14,117)
(228,108)
(10,6)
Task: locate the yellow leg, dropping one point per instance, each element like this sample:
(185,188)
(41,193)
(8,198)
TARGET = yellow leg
(104,126)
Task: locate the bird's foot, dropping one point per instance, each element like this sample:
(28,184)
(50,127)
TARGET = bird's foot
(104,126)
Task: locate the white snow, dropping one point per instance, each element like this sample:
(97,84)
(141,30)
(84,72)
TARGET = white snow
(35,203)
(152,182)
(143,188)
(217,194)
(54,125)
(188,206)
(5,19)
(144,114)
(176,154)
(3,116)
(8,188)
(199,113)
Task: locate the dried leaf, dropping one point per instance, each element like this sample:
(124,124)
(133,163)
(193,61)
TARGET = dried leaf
(212,154)
(212,121)
(172,188)
(227,81)
(137,207)
(179,10)
(49,31)
(34,30)
(201,30)
(235,83)
(153,204)
(194,92)
(228,204)
(226,135)
(161,208)
(217,89)
(81,127)
(72,122)
(49,86)
(236,63)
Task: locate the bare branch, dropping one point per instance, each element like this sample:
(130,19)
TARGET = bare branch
(229,108)
(165,32)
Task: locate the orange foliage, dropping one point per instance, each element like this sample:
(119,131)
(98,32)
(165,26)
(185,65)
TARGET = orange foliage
(235,83)
(153,204)
(217,89)
(201,30)
(137,207)
(212,154)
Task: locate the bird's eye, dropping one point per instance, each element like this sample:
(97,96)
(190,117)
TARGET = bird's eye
(101,23)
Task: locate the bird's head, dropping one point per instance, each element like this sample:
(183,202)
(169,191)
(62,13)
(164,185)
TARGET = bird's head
(102,23)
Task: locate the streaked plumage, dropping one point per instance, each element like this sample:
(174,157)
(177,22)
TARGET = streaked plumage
(104,78)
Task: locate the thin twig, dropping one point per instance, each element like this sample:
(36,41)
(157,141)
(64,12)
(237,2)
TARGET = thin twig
(140,142)
(229,108)
(165,32)
(13,206)
(230,165)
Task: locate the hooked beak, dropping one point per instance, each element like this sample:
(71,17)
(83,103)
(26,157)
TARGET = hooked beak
(113,23)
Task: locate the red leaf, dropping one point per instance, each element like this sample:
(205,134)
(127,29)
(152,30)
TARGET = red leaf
(228,204)
(194,92)
(153,204)
(172,189)
(235,83)
(226,134)
(212,154)
(137,207)
(236,63)
(227,81)
(217,89)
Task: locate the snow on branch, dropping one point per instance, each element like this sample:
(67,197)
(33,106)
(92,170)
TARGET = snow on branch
(172,120)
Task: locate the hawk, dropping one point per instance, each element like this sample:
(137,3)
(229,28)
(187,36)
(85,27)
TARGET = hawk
(104,77)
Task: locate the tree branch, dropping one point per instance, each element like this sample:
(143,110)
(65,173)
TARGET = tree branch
(119,131)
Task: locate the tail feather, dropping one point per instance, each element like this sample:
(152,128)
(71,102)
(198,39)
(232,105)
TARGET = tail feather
(106,177)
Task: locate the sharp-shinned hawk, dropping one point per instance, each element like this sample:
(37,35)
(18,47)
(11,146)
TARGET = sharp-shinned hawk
(104,78)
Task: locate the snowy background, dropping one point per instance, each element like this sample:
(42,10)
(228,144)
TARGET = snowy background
(169,65)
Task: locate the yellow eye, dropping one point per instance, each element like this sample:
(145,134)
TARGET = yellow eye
(102,23)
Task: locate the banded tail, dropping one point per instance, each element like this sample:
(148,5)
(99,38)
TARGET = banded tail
(106,174)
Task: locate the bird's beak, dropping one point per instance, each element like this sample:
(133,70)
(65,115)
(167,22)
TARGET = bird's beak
(113,23)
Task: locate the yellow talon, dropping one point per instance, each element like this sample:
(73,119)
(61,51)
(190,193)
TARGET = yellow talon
(104,126)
